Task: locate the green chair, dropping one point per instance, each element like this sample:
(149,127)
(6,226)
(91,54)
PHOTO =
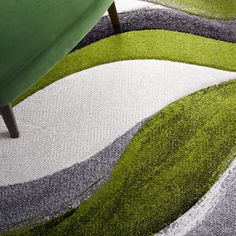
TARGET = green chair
(34,36)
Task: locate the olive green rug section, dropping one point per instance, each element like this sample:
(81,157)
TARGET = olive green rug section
(169,165)
(146,44)
(221,9)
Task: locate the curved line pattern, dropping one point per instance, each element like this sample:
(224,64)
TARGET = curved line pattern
(147,19)
(150,47)
(213,214)
(26,203)
(145,44)
(73,119)
(21,200)
(149,186)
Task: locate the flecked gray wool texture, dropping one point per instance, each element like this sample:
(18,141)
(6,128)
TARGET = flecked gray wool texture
(221,221)
(163,19)
(35,201)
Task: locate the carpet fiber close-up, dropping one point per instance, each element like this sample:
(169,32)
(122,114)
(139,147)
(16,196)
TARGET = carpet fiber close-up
(132,132)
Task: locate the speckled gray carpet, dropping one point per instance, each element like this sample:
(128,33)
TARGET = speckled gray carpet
(214,214)
(37,200)
(163,19)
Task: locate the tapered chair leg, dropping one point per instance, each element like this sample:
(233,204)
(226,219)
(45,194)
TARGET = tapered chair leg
(10,121)
(114,16)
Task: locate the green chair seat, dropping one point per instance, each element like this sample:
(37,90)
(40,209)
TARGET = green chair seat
(36,34)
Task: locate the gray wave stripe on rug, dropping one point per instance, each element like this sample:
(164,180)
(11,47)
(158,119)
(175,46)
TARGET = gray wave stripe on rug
(35,201)
(214,214)
(163,19)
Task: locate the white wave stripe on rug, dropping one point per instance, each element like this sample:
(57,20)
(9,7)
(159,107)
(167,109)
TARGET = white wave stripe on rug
(129,5)
(74,118)
(214,214)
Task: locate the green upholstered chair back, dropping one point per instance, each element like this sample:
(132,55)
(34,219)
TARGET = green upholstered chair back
(37,34)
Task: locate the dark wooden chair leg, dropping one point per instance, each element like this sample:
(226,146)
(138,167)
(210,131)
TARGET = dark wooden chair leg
(10,121)
(114,16)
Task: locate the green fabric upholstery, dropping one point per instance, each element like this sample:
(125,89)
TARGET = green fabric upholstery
(37,34)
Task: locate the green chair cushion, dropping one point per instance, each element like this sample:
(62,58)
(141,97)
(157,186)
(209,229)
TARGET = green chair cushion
(36,34)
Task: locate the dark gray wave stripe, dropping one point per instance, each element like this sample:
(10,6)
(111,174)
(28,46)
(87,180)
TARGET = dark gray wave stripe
(35,201)
(163,19)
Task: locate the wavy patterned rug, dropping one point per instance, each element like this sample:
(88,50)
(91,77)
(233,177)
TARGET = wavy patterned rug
(132,133)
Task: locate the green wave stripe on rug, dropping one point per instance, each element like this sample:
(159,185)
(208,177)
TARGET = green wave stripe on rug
(221,9)
(145,44)
(169,165)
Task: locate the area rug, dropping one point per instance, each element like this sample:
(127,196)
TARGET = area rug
(218,9)
(132,133)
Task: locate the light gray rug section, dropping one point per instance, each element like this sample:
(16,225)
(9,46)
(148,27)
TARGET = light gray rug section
(163,19)
(221,221)
(214,214)
(78,116)
(33,202)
